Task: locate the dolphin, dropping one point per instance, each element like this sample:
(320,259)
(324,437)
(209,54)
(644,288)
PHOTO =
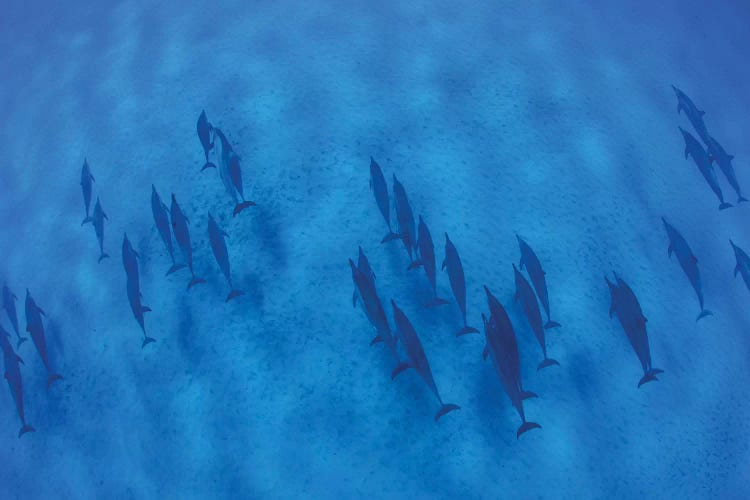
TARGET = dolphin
(452,263)
(134,298)
(695,116)
(530,261)
(205,130)
(743,264)
(688,263)
(9,304)
(86,180)
(218,245)
(98,221)
(724,160)
(161,218)
(417,358)
(231,173)
(404,217)
(625,305)
(703,161)
(427,260)
(35,327)
(182,236)
(13,376)
(363,264)
(130,261)
(380,189)
(525,293)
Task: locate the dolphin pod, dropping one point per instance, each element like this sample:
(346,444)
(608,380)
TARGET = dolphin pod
(231,173)
(160,212)
(699,155)
(526,295)
(530,261)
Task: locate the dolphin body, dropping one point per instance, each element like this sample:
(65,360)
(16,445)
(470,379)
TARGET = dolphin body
(13,376)
(695,115)
(625,305)
(86,180)
(743,264)
(231,173)
(380,189)
(204,129)
(182,236)
(694,149)
(427,260)
(688,263)
(452,263)
(716,152)
(404,217)
(363,265)
(161,219)
(9,304)
(502,347)
(416,358)
(530,261)
(133,287)
(526,295)
(35,327)
(130,262)
(98,222)
(219,247)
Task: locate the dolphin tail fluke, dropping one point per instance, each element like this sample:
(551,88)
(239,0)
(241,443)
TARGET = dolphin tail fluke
(21,340)
(547,362)
(741,199)
(208,165)
(242,206)
(175,267)
(26,428)
(465,330)
(528,395)
(703,314)
(86,220)
(551,324)
(414,264)
(377,339)
(447,408)
(195,281)
(234,293)
(52,379)
(399,368)
(725,205)
(525,427)
(437,301)
(650,376)
(390,237)
(103,256)
(147,340)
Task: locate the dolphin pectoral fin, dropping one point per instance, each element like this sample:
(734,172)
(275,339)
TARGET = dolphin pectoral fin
(26,428)
(19,359)
(399,368)
(41,311)
(174,268)
(145,309)
(146,341)
(528,394)
(741,199)
(52,379)
(415,264)
(525,427)
(703,314)
(233,294)
(486,352)
(446,408)
(377,339)
(390,237)
(466,330)
(725,205)
(195,281)
(207,165)
(21,340)
(86,220)
(547,362)
(242,206)
(551,324)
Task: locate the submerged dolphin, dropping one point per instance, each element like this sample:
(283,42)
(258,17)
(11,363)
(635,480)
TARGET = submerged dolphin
(13,376)
(363,265)
(427,260)
(216,236)
(416,358)
(625,305)
(695,115)
(452,263)
(35,327)
(743,264)
(98,222)
(204,130)
(404,217)
(130,261)
(502,347)
(133,286)
(231,173)
(724,160)
(182,236)
(9,304)
(688,263)
(86,180)
(694,149)
(530,261)
(161,218)
(380,189)
(526,295)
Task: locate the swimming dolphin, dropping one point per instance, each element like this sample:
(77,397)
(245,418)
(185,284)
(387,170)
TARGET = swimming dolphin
(417,358)
(161,218)
(35,327)
(380,189)
(98,222)
(13,376)
(743,264)
(219,247)
(694,149)
(530,261)
(86,180)
(625,305)
(182,236)
(204,130)
(363,264)
(427,260)
(724,160)
(526,295)
(502,347)
(688,263)
(231,174)
(404,217)
(134,298)
(693,113)
(130,261)
(452,263)
(9,304)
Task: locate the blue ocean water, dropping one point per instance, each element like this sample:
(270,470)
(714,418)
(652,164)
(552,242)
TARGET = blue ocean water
(555,121)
